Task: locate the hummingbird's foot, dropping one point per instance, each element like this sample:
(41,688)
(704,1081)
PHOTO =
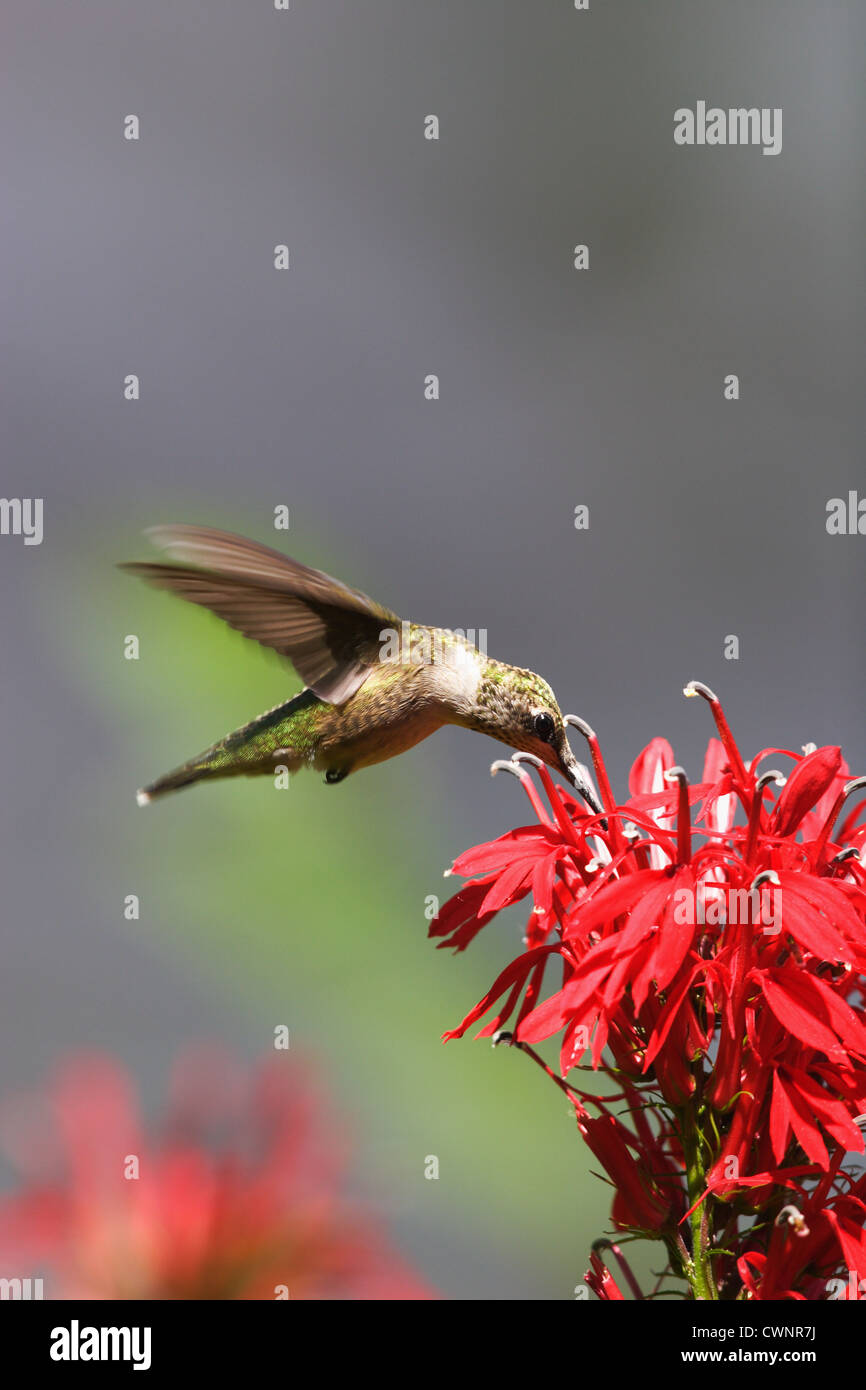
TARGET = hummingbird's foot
(336,774)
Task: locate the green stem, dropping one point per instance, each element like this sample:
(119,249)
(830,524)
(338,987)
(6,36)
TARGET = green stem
(699,1266)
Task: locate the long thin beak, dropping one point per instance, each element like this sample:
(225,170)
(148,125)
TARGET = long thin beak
(580,779)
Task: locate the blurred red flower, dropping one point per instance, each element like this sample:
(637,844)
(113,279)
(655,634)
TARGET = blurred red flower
(235,1195)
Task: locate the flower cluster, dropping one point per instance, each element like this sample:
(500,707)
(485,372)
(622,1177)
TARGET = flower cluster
(709,948)
(236,1195)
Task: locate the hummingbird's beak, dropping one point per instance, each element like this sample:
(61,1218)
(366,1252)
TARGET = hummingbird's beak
(579,777)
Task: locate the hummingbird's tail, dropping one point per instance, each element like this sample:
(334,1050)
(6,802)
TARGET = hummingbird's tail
(278,738)
(172,781)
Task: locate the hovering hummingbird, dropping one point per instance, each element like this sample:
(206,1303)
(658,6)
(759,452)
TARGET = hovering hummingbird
(375,685)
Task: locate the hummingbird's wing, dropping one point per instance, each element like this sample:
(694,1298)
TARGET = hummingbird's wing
(329,632)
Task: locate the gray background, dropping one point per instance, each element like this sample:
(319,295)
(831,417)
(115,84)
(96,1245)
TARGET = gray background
(306,388)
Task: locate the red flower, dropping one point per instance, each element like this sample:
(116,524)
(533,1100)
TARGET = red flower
(235,1197)
(711,951)
(816,1247)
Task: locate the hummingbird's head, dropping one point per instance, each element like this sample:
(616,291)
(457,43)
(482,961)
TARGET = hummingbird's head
(520,709)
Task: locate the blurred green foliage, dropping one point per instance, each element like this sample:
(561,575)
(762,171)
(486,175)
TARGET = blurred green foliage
(305,907)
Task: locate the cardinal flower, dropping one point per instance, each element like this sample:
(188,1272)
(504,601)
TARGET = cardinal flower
(706,944)
(235,1195)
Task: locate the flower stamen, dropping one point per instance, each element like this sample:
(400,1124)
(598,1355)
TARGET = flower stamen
(857,784)
(694,688)
(509,765)
(684,824)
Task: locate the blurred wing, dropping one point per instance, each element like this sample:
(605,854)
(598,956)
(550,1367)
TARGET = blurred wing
(329,632)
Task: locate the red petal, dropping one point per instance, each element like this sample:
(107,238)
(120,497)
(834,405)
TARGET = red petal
(780,1119)
(458,918)
(831,1111)
(610,902)
(510,886)
(811,1011)
(528,842)
(803,921)
(543,879)
(519,969)
(669,1014)
(806,785)
(827,898)
(576,1001)
(649,768)
(804,1125)
(672,946)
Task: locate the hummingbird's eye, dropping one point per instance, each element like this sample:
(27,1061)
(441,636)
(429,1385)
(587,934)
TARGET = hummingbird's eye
(544,726)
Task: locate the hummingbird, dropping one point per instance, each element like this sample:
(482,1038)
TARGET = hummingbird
(375,685)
